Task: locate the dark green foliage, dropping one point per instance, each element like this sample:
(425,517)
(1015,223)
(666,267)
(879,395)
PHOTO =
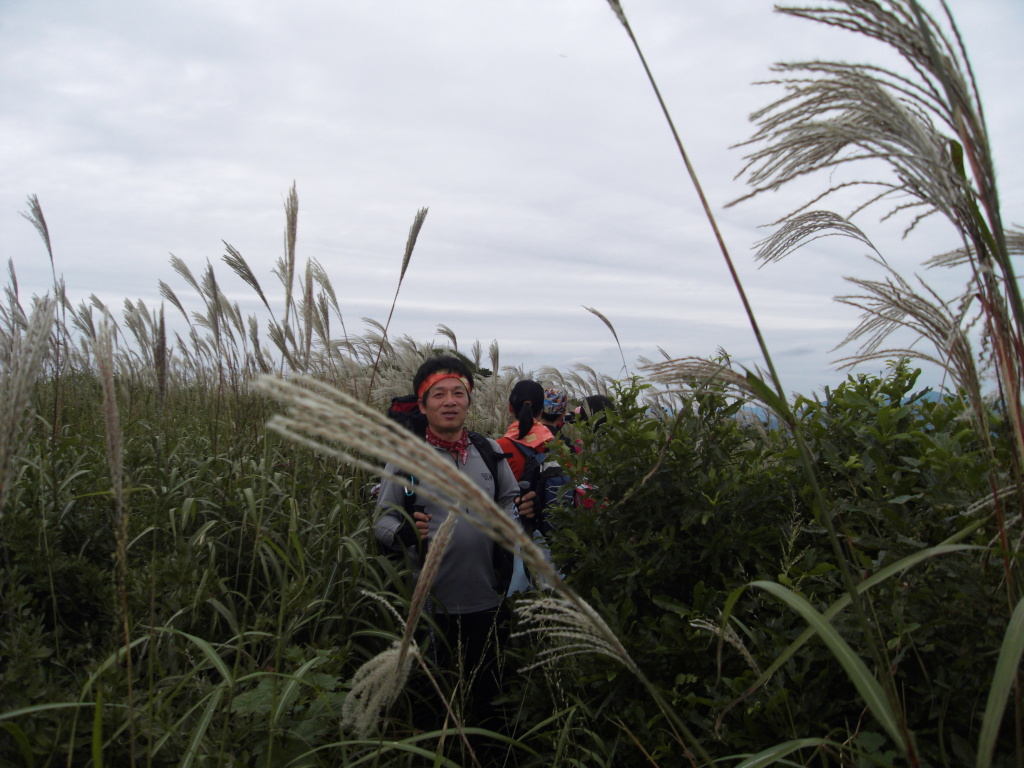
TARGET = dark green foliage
(655,556)
(727,505)
(252,570)
(902,468)
(256,547)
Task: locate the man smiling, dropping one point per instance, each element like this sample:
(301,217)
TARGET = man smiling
(466,591)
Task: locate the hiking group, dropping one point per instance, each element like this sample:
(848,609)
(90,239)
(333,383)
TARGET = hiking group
(468,614)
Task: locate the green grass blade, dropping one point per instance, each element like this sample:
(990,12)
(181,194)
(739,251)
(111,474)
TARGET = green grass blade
(201,728)
(776,752)
(1002,683)
(208,650)
(854,666)
(840,604)
(22,741)
(290,690)
(97,730)
(12,713)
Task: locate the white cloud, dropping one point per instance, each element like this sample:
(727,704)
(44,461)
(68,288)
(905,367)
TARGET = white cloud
(527,127)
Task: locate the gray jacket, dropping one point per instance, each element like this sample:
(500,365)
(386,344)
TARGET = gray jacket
(466,580)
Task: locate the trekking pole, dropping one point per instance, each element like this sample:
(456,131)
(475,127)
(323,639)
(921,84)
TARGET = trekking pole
(422,544)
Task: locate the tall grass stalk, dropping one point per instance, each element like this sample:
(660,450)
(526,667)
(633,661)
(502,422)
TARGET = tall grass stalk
(36,218)
(105,371)
(494,355)
(286,264)
(60,340)
(779,402)
(17,376)
(929,129)
(377,683)
(615,335)
(410,244)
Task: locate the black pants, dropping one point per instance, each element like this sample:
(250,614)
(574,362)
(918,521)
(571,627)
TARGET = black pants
(468,644)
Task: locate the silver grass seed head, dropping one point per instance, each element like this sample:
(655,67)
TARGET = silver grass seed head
(438,546)
(378,598)
(104,351)
(375,686)
(428,574)
(616,7)
(572,627)
(27,352)
(36,218)
(730,636)
(410,243)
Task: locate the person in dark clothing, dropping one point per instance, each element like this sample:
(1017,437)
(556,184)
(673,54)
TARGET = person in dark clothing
(466,594)
(591,410)
(556,404)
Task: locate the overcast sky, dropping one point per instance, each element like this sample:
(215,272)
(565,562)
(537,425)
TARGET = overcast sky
(526,126)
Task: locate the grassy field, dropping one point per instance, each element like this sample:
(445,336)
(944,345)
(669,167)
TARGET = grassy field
(188,574)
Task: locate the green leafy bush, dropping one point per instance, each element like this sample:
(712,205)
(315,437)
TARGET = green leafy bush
(659,552)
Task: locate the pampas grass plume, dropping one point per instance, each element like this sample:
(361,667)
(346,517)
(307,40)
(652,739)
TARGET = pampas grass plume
(16,378)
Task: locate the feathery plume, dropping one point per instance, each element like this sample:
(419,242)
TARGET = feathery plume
(611,328)
(373,688)
(160,360)
(410,243)
(448,333)
(687,374)
(805,228)
(16,379)
(573,627)
(377,683)
(892,303)
(36,218)
(287,262)
(730,636)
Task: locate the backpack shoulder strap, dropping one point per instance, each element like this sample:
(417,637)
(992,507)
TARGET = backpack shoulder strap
(505,444)
(490,455)
(501,558)
(528,453)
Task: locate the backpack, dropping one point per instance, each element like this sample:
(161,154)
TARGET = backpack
(546,479)
(405,410)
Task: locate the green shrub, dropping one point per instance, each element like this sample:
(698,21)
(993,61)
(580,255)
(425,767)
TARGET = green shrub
(727,505)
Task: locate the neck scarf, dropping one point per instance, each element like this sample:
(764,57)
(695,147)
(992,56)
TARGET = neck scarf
(460,446)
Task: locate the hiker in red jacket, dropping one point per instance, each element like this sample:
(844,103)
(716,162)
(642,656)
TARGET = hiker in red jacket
(526,402)
(527,442)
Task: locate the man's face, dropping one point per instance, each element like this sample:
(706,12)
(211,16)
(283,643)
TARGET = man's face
(446,405)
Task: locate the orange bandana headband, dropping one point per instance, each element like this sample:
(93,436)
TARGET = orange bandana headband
(433,378)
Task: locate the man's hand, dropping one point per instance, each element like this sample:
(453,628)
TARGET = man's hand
(422,521)
(525,504)
(413,535)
